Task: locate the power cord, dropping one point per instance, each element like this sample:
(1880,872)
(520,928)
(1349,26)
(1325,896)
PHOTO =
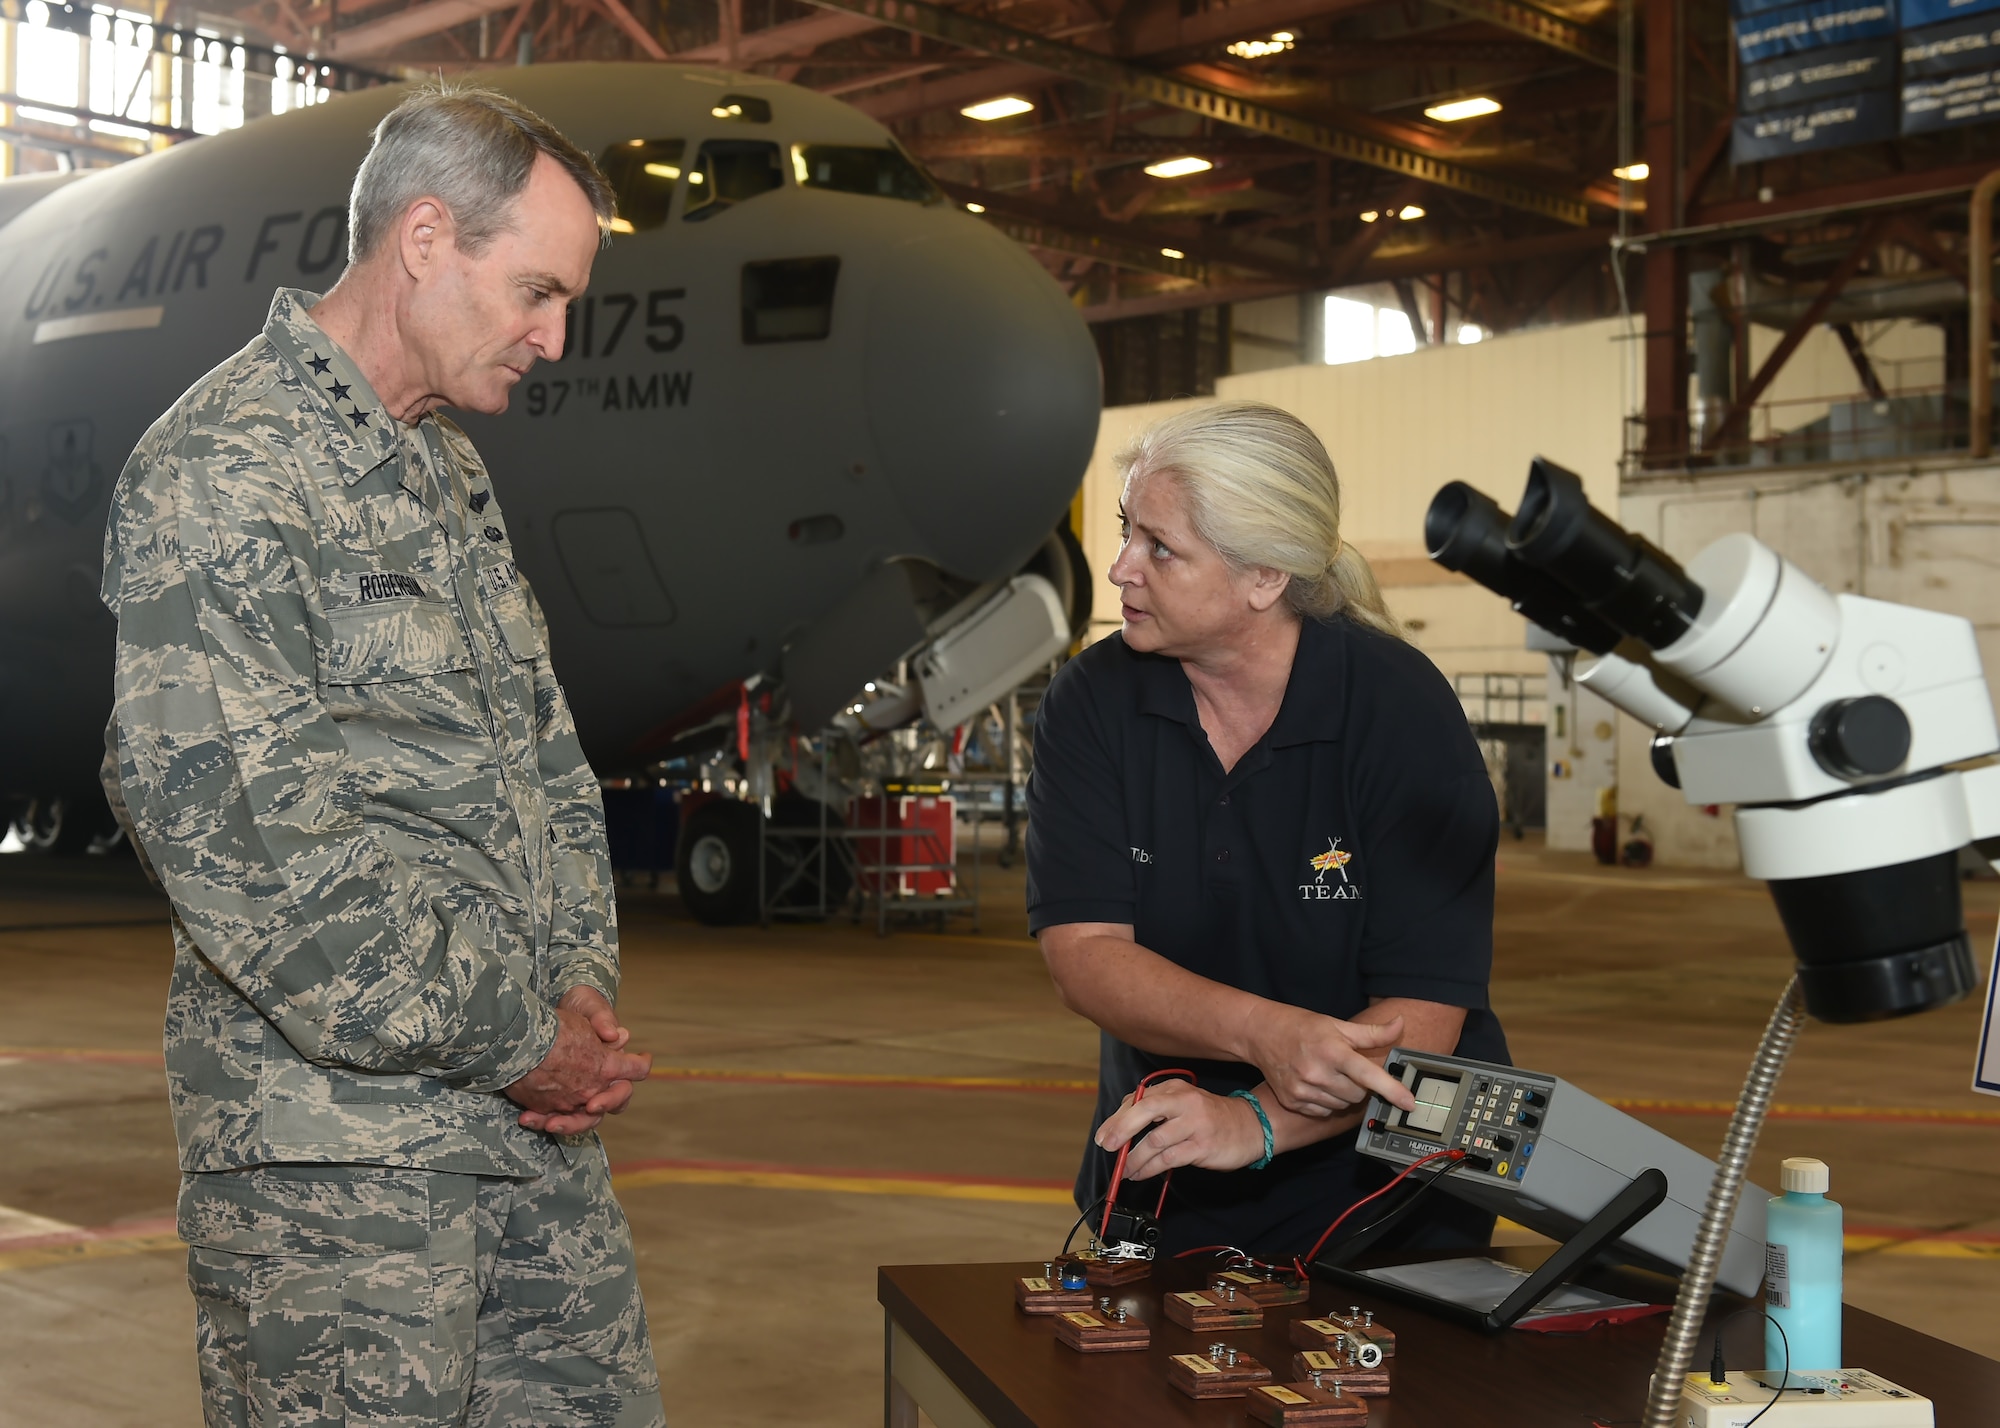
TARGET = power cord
(1454,1155)
(1717,1373)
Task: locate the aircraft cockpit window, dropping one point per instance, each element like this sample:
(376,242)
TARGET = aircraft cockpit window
(853,168)
(789,300)
(728,171)
(643,174)
(745,108)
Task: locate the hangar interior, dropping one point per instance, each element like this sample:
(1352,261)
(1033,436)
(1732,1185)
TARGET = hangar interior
(1728,263)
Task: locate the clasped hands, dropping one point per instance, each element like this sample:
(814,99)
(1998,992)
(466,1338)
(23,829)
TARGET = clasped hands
(1317,1070)
(587,1075)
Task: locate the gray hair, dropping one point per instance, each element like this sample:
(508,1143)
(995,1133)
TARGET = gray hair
(1262,491)
(470,149)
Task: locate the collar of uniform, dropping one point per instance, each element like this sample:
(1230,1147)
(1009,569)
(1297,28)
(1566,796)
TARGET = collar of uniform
(1312,708)
(361,435)
(1315,695)
(1164,689)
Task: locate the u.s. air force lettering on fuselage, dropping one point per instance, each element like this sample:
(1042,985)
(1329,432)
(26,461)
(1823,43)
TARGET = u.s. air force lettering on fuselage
(599,326)
(183,260)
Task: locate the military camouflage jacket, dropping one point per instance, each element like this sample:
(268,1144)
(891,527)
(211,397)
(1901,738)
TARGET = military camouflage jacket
(338,741)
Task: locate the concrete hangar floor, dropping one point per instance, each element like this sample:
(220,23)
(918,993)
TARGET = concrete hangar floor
(827,1101)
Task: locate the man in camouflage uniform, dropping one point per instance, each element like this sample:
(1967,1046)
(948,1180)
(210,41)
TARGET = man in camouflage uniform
(339,744)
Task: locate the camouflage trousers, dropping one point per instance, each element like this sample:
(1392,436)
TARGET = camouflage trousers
(338,1296)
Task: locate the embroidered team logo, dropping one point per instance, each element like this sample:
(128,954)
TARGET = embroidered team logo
(1334,860)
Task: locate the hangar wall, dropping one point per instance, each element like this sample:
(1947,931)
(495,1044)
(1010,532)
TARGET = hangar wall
(1554,391)
(1925,536)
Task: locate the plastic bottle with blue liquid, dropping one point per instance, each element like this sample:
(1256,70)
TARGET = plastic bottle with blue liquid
(1802,1253)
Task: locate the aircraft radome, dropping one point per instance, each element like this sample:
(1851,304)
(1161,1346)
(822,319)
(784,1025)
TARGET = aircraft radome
(811,417)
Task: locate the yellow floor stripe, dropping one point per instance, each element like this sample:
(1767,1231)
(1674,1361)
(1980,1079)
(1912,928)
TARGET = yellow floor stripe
(1922,1248)
(88,1249)
(859,1078)
(843,1185)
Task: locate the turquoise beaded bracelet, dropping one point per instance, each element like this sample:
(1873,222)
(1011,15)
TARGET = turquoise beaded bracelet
(1270,1141)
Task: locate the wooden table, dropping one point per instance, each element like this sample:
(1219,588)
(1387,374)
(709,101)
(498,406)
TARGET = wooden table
(957,1348)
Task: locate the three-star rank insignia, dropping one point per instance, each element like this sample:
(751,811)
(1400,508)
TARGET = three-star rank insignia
(340,391)
(358,417)
(319,364)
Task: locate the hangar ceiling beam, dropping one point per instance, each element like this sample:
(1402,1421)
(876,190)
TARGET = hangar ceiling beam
(1419,262)
(1145,240)
(638,33)
(1162,29)
(951,91)
(378,36)
(1537,24)
(791,38)
(1105,72)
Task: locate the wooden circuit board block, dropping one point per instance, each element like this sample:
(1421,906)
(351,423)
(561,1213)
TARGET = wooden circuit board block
(1303,1405)
(1089,1332)
(1211,1375)
(1270,1293)
(1205,1310)
(1110,1273)
(1362,1321)
(1363,1383)
(1035,1295)
(1328,1332)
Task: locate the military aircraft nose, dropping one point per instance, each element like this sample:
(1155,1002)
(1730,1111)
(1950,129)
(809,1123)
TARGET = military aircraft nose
(983,394)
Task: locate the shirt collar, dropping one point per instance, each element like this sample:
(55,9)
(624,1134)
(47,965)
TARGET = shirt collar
(361,434)
(1313,708)
(1316,695)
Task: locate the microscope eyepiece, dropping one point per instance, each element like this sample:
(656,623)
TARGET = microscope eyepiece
(1621,578)
(1466,531)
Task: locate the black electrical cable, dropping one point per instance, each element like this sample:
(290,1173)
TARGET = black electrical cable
(1408,1202)
(1079,1222)
(1718,1374)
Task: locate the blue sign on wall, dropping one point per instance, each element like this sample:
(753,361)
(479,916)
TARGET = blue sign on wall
(1952,100)
(1918,13)
(1865,117)
(1971,43)
(1817,25)
(1806,78)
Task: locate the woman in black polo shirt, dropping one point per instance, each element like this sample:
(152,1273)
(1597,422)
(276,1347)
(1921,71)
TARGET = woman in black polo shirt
(1260,845)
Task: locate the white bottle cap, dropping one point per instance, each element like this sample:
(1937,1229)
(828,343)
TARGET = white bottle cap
(1805,1175)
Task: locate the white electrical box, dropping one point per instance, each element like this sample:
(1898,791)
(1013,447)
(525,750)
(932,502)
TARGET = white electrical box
(1852,1398)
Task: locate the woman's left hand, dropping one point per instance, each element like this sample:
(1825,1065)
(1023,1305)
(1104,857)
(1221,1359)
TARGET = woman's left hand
(1190,1127)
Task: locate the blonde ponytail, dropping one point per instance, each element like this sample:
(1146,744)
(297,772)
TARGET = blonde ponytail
(1262,490)
(1357,592)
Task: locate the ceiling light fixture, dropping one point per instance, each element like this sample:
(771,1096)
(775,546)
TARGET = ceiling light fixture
(1370,216)
(622,225)
(975,208)
(1459,109)
(1179,168)
(1263,49)
(1633,173)
(1174,253)
(663,171)
(1410,213)
(1005,107)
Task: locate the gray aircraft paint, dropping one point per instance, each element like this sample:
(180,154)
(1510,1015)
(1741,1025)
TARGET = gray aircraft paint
(946,419)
